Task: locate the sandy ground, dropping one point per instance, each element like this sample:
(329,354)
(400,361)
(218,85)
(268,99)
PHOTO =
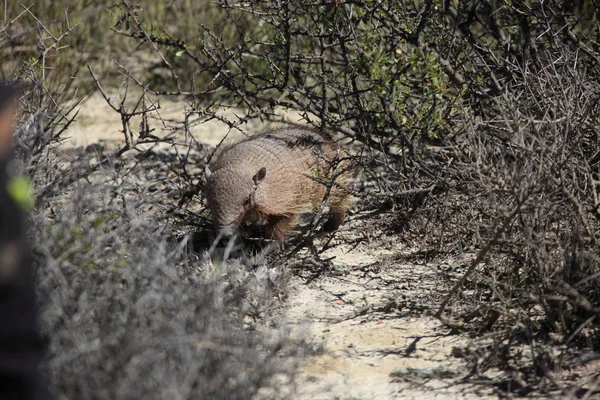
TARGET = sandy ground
(366,319)
(374,340)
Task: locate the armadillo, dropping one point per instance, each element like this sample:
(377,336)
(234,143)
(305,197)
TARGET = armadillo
(274,177)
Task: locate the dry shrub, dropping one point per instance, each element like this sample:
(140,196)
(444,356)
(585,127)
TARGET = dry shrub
(523,190)
(130,313)
(129,308)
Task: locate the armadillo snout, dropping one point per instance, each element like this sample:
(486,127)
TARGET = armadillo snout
(227,193)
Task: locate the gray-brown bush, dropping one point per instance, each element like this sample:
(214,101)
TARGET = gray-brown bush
(524,190)
(129,314)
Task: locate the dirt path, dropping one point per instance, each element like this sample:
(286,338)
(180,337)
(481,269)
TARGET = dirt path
(372,338)
(365,319)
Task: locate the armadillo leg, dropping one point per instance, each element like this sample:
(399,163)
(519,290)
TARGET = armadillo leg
(335,220)
(338,214)
(280,225)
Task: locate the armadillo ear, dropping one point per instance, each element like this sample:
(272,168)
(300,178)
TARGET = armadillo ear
(207,171)
(260,175)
